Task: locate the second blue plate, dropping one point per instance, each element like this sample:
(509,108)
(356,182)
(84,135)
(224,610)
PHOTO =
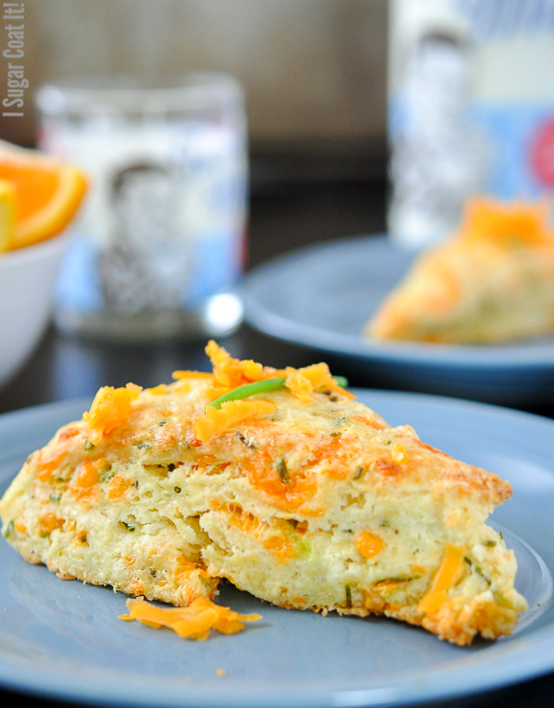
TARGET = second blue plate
(321,296)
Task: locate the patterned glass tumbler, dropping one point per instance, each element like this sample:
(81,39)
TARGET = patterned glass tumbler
(160,241)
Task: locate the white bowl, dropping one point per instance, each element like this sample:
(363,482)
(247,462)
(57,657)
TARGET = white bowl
(27,280)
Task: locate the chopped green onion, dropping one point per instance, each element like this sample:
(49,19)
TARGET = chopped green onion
(255,387)
(282,470)
(359,472)
(342,381)
(249,390)
(9,529)
(348,593)
(109,474)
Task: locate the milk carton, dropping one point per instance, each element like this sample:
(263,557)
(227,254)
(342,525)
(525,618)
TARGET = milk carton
(471,109)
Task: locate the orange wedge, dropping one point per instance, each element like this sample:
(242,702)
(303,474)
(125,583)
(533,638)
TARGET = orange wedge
(48,193)
(7,214)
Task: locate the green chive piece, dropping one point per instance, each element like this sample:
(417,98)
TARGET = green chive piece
(342,381)
(109,474)
(282,470)
(89,445)
(348,593)
(249,390)
(9,529)
(255,387)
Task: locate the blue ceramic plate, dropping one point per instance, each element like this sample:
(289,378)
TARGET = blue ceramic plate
(63,639)
(321,296)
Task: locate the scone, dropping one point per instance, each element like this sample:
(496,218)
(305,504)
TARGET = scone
(493,281)
(277,481)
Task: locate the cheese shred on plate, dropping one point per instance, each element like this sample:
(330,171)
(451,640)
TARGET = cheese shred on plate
(192,622)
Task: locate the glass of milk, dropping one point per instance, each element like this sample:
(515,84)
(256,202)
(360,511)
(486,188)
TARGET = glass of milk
(161,237)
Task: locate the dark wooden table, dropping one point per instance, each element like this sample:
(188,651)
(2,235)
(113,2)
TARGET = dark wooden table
(281,218)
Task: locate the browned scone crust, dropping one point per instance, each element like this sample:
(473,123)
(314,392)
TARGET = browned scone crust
(318,504)
(493,281)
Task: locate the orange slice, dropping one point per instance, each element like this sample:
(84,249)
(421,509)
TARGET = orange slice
(7,214)
(48,193)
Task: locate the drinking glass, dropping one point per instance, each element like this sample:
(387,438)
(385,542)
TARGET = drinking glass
(160,241)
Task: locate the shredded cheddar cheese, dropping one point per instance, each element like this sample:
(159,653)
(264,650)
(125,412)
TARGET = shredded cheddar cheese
(87,475)
(218,420)
(48,463)
(110,407)
(232,372)
(398,454)
(320,377)
(448,574)
(50,522)
(369,544)
(182,374)
(506,224)
(298,384)
(192,622)
(118,487)
(158,390)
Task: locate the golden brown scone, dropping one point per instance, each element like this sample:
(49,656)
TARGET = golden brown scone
(493,281)
(300,495)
